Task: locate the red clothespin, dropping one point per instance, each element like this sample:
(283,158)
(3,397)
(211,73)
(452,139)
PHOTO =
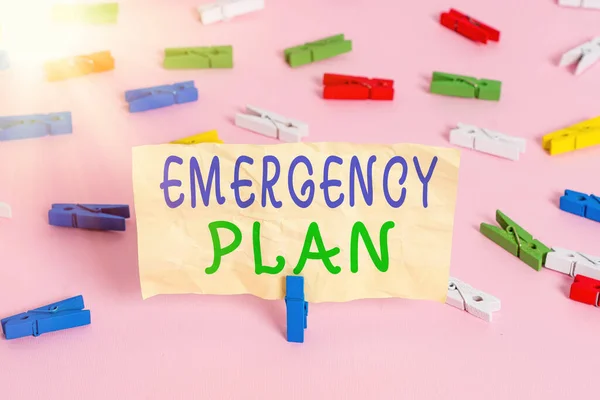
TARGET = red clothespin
(469,27)
(585,290)
(345,87)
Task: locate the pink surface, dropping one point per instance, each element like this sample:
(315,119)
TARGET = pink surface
(541,345)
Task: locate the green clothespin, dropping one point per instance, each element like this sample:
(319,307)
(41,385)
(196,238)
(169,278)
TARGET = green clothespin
(199,57)
(516,240)
(316,51)
(101,13)
(465,86)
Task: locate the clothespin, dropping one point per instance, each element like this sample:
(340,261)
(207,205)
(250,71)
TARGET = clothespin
(199,57)
(465,86)
(594,4)
(103,217)
(72,67)
(584,205)
(100,13)
(471,300)
(224,10)
(573,263)
(35,125)
(64,314)
(585,290)
(487,141)
(318,50)
(5,210)
(585,56)
(161,96)
(4,60)
(468,27)
(345,87)
(575,137)
(516,240)
(272,125)
(206,137)
(296,308)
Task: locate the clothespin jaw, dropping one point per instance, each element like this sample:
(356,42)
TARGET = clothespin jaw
(346,87)
(4,60)
(585,290)
(272,125)
(465,86)
(475,302)
(58,316)
(206,137)
(487,141)
(469,27)
(575,137)
(317,51)
(516,240)
(198,57)
(581,204)
(296,307)
(161,96)
(73,67)
(103,217)
(102,13)
(35,125)
(224,10)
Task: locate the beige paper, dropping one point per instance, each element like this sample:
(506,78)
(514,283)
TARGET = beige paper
(175,245)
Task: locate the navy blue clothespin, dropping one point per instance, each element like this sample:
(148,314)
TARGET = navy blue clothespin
(4,62)
(161,96)
(102,217)
(582,204)
(65,314)
(35,125)
(296,307)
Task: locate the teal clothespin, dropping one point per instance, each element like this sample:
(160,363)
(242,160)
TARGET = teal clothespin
(516,240)
(318,50)
(465,86)
(199,57)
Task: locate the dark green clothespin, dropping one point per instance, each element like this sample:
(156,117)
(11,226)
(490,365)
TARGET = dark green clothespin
(465,86)
(317,51)
(199,57)
(516,240)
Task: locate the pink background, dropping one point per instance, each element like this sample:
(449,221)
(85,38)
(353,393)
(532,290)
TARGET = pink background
(541,344)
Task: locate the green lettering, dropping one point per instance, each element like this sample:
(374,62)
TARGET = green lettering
(219,251)
(259,268)
(314,234)
(382,263)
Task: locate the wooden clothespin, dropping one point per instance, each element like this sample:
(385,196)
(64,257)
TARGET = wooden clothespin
(585,56)
(72,67)
(592,4)
(198,57)
(465,86)
(345,87)
(573,263)
(469,27)
(585,290)
(272,125)
(206,137)
(102,217)
(318,50)
(35,126)
(224,10)
(582,204)
(100,13)
(471,300)
(575,137)
(161,96)
(516,240)
(487,141)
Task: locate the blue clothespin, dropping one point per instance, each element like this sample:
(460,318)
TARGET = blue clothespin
(296,307)
(65,314)
(35,125)
(4,62)
(161,96)
(103,217)
(584,205)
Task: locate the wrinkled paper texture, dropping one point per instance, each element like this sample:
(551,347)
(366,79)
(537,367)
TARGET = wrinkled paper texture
(175,245)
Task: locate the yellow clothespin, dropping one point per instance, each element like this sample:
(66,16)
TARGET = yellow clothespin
(574,137)
(206,137)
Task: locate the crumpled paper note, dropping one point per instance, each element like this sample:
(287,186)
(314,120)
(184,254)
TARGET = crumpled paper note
(175,246)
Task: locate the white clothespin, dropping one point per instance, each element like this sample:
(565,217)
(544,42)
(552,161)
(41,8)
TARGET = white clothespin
(471,300)
(272,125)
(585,56)
(5,211)
(487,141)
(224,10)
(580,3)
(573,263)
